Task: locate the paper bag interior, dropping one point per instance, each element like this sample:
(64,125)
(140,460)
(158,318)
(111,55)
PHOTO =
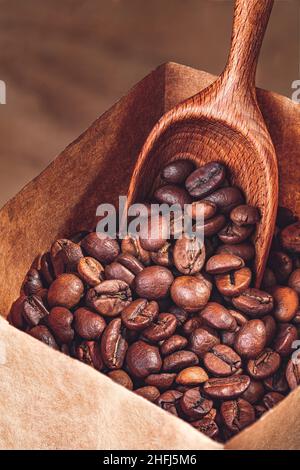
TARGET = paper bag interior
(52,401)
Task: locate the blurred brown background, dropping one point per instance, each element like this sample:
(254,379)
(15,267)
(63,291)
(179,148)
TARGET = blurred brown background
(66,61)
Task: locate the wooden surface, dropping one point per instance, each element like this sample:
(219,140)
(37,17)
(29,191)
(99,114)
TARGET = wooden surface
(223,123)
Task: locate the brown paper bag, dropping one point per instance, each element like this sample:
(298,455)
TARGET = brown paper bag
(50,401)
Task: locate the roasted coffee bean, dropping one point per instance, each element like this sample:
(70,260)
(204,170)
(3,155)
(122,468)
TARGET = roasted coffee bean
(143,359)
(244,250)
(234,283)
(177,171)
(60,321)
(203,209)
(286,335)
(149,392)
(222,361)
(153,282)
(191,325)
(277,382)
(65,256)
(172,194)
(33,282)
(34,310)
(65,291)
(90,271)
(226,199)
(172,344)
(254,392)
(139,314)
(211,226)
(237,414)
(164,256)
(133,247)
(189,255)
(290,238)
(244,215)
(202,340)
(270,326)
(42,333)
(194,405)
(232,234)
(161,381)
(207,426)
(205,179)
(163,328)
(16,313)
(179,360)
(101,247)
(109,298)
(269,279)
(114,345)
(87,324)
(169,401)
(47,270)
(124,268)
(217,316)
(121,377)
(254,302)
(224,263)
(154,233)
(225,388)
(191,376)
(191,293)
(294,280)
(286,302)
(272,399)
(251,339)
(281,264)
(293,373)
(89,353)
(264,365)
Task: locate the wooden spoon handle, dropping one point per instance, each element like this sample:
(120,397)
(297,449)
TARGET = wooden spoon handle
(250,22)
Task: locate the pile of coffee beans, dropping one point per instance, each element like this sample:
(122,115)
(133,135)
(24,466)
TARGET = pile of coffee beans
(175,320)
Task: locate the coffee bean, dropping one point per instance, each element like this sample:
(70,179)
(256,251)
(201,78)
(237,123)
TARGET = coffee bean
(101,247)
(149,392)
(143,359)
(161,381)
(254,392)
(259,410)
(194,405)
(243,250)
(237,414)
(234,283)
(205,179)
(33,282)
(139,314)
(132,246)
(251,339)
(225,388)
(290,238)
(211,226)
(154,233)
(121,377)
(217,316)
(163,328)
(65,291)
(254,302)
(222,361)
(114,344)
(65,256)
(87,324)
(190,293)
(244,215)
(293,374)
(16,313)
(153,282)
(124,268)
(171,194)
(203,209)
(179,360)
(232,234)
(164,256)
(177,171)
(277,382)
(109,298)
(34,310)
(226,199)
(192,376)
(202,340)
(172,344)
(189,255)
(60,321)
(281,264)
(269,279)
(264,365)
(207,426)
(287,334)
(272,399)
(43,334)
(47,270)
(169,401)
(224,263)
(90,271)
(270,326)
(89,353)
(286,302)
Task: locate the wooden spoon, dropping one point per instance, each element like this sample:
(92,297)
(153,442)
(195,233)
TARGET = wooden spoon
(223,123)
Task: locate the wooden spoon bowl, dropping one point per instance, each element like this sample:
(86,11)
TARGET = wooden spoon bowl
(223,123)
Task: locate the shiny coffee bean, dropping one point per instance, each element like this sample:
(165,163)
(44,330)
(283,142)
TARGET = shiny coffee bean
(114,345)
(205,179)
(164,256)
(179,360)
(254,392)
(189,255)
(264,365)
(203,340)
(139,314)
(232,234)
(169,401)
(290,238)
(154,233)
(282,265)
(286,302)
(254,302)
(34,310)
(251,339)
(293,373)
(143,359)
(226,199)
(101,247)
(270,326)
(211,226)
(194,405)
(89,353)
(234,283)
(177,171)
(148,392)
(222,361)
(109,298)
(16,317)
(237,414)
(87,324)
(65,291)
(243,250)
(207,426)
(217,316)
(226,388)
(133,247)
(33,282)
(60,321)
(172,344)
(286,335)
(163,328)
(172,194)
(161,381)
(153,282)
(121,377)
(203,209)
(224,263)
(244,215)
(277,382)
(65,256)
(191,376)
(190,293)
(90,271)
(272,399)
(124,268)
(43,334)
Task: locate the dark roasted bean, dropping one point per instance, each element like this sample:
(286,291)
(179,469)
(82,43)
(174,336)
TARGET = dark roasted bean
(234,283)
(202,340)
(101,247)
(217,316)
(251,339)
(169,401)
(190,293)
(172,194)
(143,359)
(121,377)
(189,255)
(42,333)
(161,381)
(237,414)
(109,298)
(90,271)
(226,198)
(149,392)
(225,388)
(153,282)
(163,328)
(87,324)
(224,263)
(222,361)
(114,345)
(205,179)
(179,360)
(177,171)
(194,405)
(139,314)
(254,302)
(264,365)
(89,353)
(172,344)
(60,321)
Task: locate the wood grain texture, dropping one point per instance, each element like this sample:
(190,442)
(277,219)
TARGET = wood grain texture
(223,122)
